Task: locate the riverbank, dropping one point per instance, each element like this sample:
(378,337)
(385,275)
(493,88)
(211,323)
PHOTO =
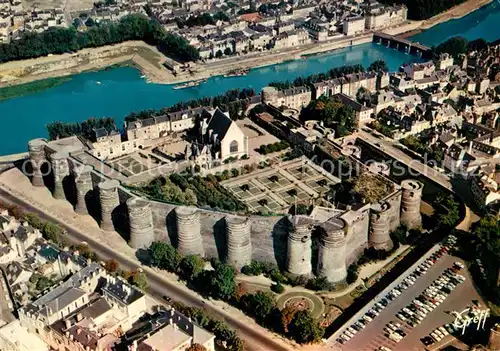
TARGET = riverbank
(133,53)
(150,61)
(455,12)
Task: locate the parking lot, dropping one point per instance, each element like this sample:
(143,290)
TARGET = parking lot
(375,334)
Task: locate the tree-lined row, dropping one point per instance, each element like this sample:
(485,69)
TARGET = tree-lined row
(219,283)
(337,72)
(222,101)
(130,27)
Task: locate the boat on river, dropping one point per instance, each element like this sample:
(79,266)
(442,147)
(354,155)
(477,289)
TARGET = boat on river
(191,84)
(237,73)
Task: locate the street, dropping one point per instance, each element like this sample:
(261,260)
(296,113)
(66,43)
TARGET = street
(255,337)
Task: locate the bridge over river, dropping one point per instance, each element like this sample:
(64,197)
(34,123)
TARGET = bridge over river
(392,41)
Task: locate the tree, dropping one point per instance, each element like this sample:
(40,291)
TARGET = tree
(302,209)
(319,283)
(352,273)
(453,46)
(278,288)
(378,65)
(40,282)
(130,27)
(228,51)
(112,265)
(52,232)
(424,9)
(363,96)
(139,280)
(221,282)
(259,304)
(196,347)
(191,266)
(218,54)
(34,220)
(164,256)
(304,329)
(447,213)
(488,231)
(84,251)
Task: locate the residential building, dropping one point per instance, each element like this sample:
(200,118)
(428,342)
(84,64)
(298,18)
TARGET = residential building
(363,113)
(354,25)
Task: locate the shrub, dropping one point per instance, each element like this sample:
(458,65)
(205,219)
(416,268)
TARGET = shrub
(319,283)
(278,288)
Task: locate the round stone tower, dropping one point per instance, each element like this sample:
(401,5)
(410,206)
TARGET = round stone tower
(83,182)
(141,223)
(189,240)
(109,200)
(351,150)
(332,251)
(299,250)
(36,149)
(380,227)
(269,95)
(239,241)
(379,168)
(60,169)
(410,203)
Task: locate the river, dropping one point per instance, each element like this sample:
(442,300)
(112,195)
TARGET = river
(482,23)
(119,91)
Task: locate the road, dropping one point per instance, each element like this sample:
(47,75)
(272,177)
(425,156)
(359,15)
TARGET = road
(255,337)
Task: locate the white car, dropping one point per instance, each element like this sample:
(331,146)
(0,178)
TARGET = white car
(360,325)
(400,316)
(408,311)
(345,337)
(435,336)
(444,331)
(367,318)
(349,334)
(417,302)
(392,326)
(395,337)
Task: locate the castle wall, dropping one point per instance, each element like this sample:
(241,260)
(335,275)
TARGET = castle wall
(357,234)
(394,201)
(266,232)
(205,232)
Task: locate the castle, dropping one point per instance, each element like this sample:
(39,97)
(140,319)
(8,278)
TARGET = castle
(341,235)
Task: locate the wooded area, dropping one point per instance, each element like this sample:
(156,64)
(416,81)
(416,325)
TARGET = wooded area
(64,40)
(424,9)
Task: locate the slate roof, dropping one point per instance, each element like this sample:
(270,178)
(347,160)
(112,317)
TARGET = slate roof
(62,294)
(219,123)
(120,289)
